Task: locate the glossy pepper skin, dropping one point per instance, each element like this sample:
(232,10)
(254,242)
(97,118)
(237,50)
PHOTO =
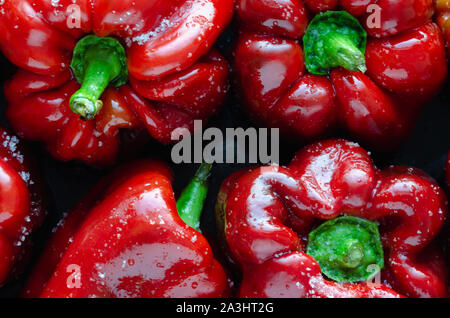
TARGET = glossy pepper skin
(173,75)
(22,204)
(265,215)
(404,57)
(128,241)
(443,19)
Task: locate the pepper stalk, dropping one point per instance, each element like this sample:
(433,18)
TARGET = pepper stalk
(192,199)
(347,248)
(334,39)
(97,63)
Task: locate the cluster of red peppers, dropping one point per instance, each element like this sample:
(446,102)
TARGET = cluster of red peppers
(330,224)
(367,69)
(119,69)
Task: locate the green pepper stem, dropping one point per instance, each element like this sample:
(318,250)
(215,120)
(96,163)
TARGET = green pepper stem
(192,199)
(345,53)
(334,39)
(97,63)
(351,254)
(86,101)
(346,247)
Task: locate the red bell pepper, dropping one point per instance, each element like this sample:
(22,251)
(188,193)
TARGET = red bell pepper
(129,65)
(22,204)
(348,74)
(284,227)
(443,19)
(128,240)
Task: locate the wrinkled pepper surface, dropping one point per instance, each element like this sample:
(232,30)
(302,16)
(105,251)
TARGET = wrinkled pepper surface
(126,239)
(330,223)
(366,70)
(443,19)
(22,204)
(88,69)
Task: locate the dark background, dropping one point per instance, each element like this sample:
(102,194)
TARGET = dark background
(426,149)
